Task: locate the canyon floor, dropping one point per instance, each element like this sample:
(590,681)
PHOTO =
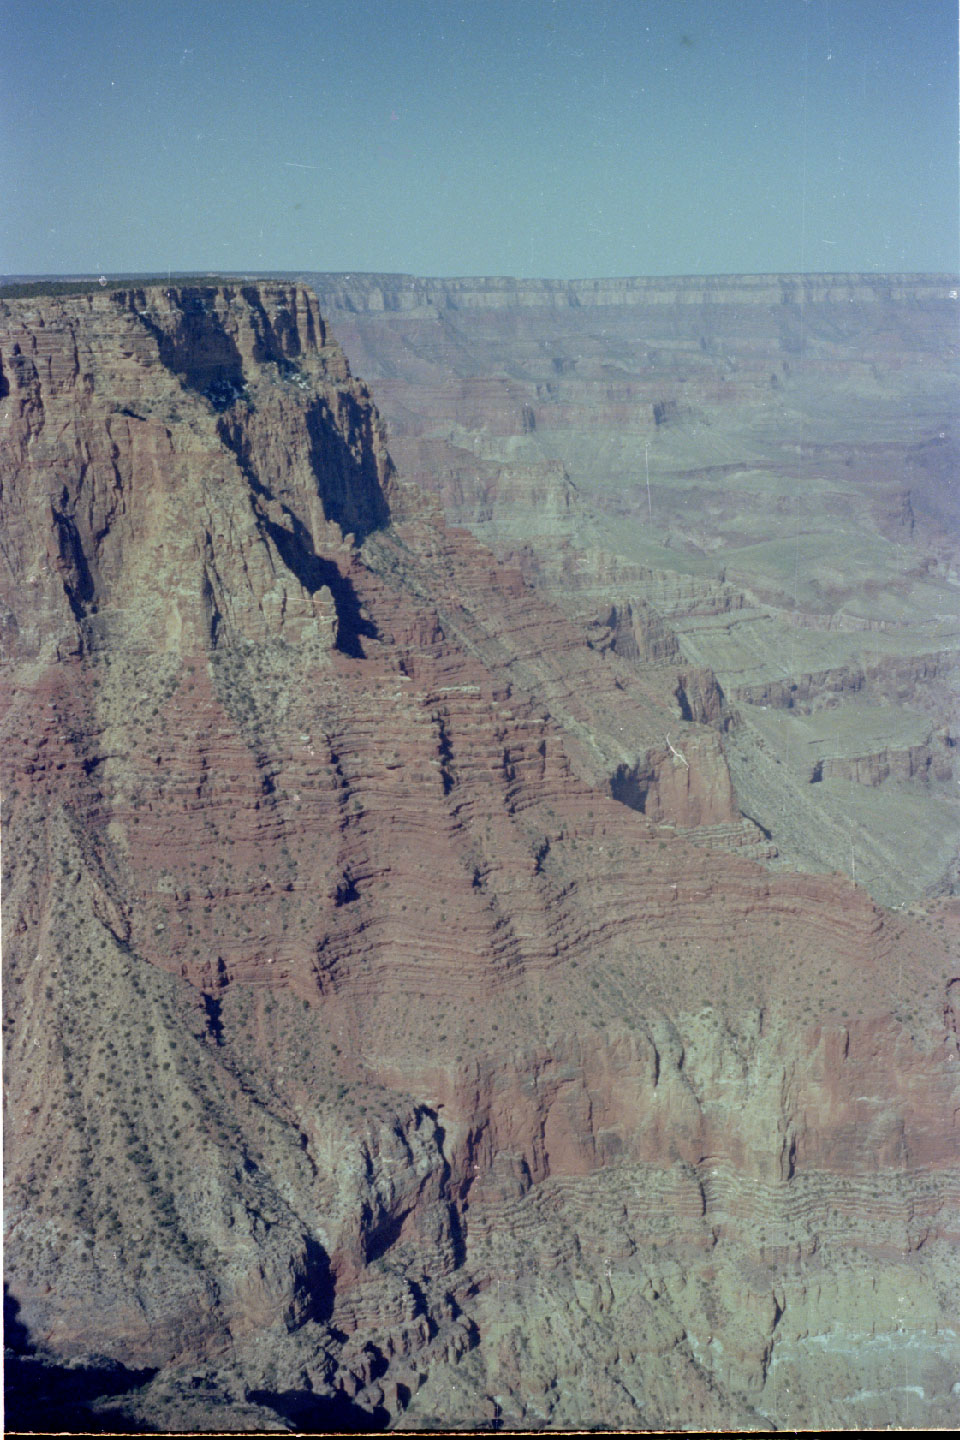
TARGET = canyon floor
(480,885)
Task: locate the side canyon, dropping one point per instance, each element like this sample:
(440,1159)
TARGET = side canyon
(435,989)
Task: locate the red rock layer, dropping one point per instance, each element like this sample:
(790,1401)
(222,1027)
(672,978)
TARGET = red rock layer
(336,964)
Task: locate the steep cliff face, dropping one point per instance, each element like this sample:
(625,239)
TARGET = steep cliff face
(711,453)
(129,421)
(390,1032)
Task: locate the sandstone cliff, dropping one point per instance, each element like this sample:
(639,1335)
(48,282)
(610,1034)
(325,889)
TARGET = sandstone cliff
(763,467)
(368,1058)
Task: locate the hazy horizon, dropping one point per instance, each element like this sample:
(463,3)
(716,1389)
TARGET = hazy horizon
(551,140)
(120,276)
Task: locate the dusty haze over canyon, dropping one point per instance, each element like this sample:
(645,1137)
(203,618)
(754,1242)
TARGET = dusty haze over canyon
(480,884)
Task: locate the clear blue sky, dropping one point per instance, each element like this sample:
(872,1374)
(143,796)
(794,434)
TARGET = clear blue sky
(520,137)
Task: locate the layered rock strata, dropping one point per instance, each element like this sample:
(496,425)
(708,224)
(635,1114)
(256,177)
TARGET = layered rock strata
(387,1038)
(766,463)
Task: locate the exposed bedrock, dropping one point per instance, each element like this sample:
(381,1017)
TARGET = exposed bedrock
(930,762)
(127,465)
(756,473)
(375,293)
(638,632)
(692,790)
(366,1060)
(928,682)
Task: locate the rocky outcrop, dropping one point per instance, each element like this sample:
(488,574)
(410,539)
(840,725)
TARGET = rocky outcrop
(665,785)
(638,632)
(366,1059)
(928,682)
(126,458)
(917,762)
(701,448)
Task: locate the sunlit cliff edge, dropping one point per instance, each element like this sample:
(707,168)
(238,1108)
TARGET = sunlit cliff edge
(399,1023)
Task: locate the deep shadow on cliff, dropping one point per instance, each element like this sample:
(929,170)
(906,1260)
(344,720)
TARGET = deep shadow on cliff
(367,1062)
(318,1415)
(42,1396)
(48,1398)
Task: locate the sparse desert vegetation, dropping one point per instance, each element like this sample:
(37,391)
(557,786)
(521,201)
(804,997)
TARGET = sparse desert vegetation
(406,1015)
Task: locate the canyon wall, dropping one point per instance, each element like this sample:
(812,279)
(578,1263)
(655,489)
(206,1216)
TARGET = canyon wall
(399,1027)
(763,466)
(374,293)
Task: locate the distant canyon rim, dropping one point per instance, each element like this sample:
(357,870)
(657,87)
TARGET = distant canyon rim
(481,871)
